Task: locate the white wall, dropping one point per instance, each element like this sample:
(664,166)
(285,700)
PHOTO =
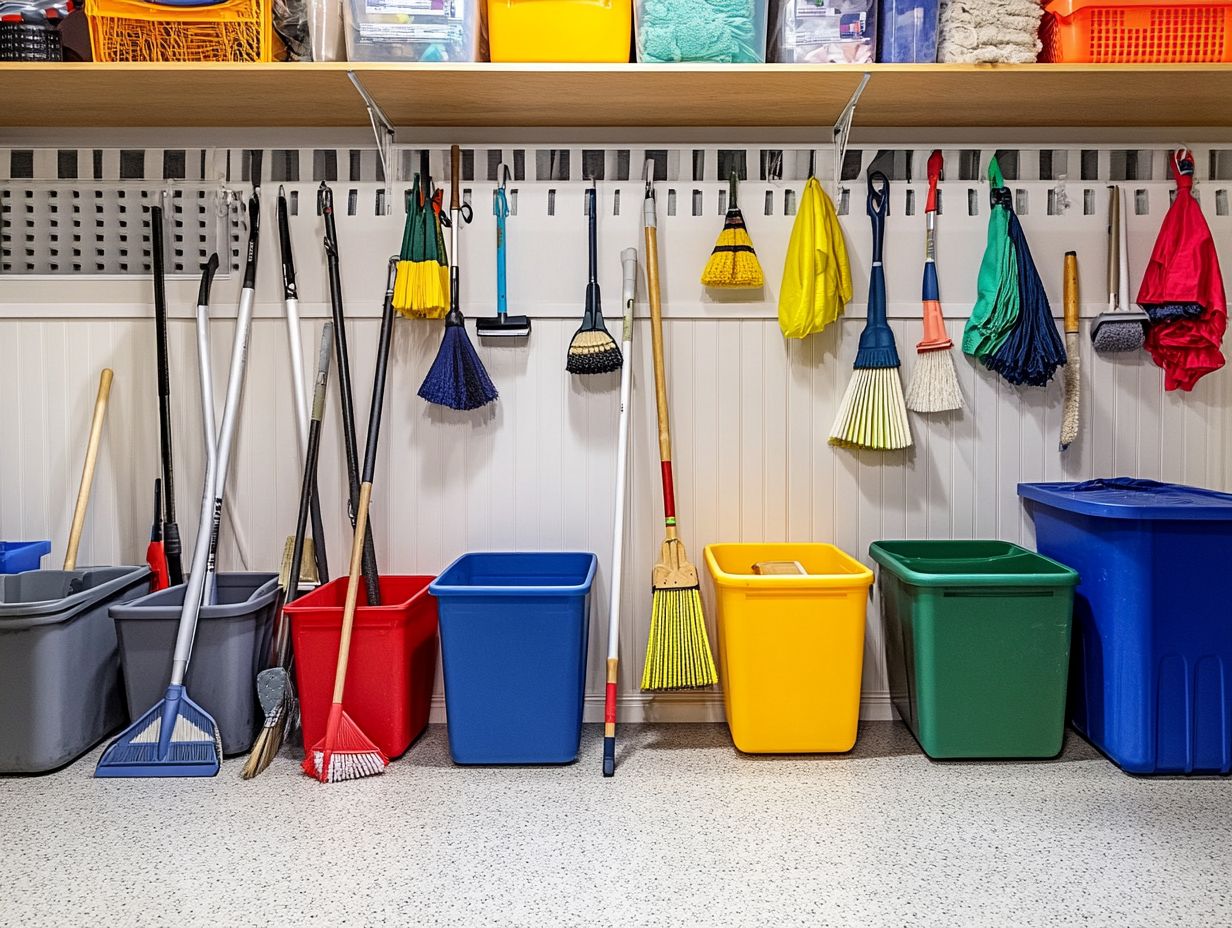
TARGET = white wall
(750,412)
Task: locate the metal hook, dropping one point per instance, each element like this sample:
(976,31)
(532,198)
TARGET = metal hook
(648,171)
(503,175)
(774,170)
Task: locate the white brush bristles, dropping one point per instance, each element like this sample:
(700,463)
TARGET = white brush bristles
(873,413)
(934,383)
(349,766)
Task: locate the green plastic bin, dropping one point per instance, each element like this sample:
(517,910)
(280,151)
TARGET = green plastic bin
(977,645)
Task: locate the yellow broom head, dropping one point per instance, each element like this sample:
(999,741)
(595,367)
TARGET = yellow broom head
(873,413)
(422,292)
(678,655)
(733,262)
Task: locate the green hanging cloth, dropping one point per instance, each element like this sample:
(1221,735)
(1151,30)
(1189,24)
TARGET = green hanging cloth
(998,303)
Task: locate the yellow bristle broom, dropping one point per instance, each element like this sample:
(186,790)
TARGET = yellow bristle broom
(678,652)
(733,262)
(421,290)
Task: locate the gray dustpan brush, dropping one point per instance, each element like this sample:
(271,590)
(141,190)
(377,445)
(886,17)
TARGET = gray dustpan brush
(1118,329)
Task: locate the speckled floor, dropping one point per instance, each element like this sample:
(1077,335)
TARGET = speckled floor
(688,833)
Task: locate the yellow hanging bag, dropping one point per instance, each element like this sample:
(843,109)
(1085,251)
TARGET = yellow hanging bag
(816,283)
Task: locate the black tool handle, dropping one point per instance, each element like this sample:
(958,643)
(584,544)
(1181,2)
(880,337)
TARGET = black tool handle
(289,291)
(172,547)
(345,395)
(378,381)
(308,487)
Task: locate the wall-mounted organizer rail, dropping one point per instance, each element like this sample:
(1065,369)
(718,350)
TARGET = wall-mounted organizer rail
(751,410)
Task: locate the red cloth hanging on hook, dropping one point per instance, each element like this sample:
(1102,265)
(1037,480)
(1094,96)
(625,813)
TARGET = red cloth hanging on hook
(1184,272)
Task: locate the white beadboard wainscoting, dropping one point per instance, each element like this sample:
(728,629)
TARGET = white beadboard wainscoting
(751,412)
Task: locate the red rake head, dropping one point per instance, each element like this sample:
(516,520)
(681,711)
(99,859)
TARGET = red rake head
(345,753)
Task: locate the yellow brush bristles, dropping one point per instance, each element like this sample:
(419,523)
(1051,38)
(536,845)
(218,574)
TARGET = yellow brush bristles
(421,289)
(873,413)
(678,651)
(733,262)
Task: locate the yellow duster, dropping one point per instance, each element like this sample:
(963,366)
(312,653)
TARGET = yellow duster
(816,275)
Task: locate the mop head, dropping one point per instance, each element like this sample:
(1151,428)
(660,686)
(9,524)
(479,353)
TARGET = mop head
(175,738)
(593,351)
(733,263)
(345,753)
(276,694)
(457,378)
(678,655)
(934,383)
(873,413)
(1119,331)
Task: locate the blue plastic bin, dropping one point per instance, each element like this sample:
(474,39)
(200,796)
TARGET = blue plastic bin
(19,556)
(1151,673)
(907,31)
(514,631)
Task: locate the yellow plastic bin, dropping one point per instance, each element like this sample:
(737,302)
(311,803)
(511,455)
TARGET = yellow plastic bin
(560,30)
(791,646)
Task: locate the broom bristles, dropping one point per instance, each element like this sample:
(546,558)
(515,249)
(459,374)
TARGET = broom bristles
(873,413)
(934,383)
(733,262)
(457,378)
(678,652)
(593,351)
(345,753)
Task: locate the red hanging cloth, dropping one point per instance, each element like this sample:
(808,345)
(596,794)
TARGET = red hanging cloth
(1182,290)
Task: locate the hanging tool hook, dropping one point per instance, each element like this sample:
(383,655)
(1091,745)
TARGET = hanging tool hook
(648,172)
(382,131)
(503,175)
(841,132)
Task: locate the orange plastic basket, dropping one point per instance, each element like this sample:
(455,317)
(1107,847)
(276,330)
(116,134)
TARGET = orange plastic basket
(133,30)
(1137,31)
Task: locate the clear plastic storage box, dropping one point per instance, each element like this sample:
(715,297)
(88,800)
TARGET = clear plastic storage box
(823,31)
(727,31)
(413,30)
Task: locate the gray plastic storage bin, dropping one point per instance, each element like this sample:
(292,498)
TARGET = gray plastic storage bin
(232,646)
(59,667)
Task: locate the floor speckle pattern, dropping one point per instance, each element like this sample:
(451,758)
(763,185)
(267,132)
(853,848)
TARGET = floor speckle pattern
(688,833)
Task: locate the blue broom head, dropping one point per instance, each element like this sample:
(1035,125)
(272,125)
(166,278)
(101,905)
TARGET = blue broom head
(175,738)
(877,348)
(1033,349)
(457,378)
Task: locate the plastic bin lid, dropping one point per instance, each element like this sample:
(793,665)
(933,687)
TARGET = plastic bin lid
(976,563)
(1131,498)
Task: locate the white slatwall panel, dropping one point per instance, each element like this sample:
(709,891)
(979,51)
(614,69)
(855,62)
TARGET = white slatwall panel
(751,412)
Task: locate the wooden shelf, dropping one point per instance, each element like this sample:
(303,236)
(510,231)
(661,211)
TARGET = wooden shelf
(538,95)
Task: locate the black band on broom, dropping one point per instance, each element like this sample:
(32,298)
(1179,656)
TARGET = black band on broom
(457,378)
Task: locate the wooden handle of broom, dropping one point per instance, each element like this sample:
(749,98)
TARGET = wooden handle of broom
(87,471)
(656,342)
(455,177)
(1071,292)
(352,594)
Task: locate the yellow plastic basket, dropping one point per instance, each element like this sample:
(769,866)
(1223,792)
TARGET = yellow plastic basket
(132,30)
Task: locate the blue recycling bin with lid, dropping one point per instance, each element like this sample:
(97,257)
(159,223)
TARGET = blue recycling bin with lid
(1151,670)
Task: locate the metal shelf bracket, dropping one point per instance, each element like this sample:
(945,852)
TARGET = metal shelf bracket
(382,130)
(842,131)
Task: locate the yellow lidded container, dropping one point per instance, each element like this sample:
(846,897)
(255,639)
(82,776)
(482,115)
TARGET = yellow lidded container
(560,30)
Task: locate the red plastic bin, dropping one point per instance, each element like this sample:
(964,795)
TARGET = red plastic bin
(1137,31)
(392,666)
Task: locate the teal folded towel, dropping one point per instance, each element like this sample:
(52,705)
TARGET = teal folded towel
(699,30)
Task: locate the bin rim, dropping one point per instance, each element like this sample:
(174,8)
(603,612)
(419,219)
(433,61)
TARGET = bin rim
(43,547)
(265,593)
(1144,500)
(17,616)
(861,576)
(1064,576)
(436,588)
(306,604)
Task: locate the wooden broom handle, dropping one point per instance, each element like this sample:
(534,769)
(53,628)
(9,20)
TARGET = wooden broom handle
(352,595)
(656,342)
(87,470)
(455,177)
(1071,292)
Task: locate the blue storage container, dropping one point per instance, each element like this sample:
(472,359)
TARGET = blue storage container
(907,31)
(1151,673)
(17,557)
(514,632)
